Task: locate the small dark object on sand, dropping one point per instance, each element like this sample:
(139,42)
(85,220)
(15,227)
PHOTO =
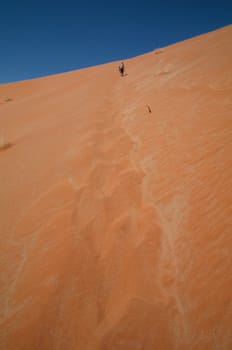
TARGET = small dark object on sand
(148,108)
(121,69)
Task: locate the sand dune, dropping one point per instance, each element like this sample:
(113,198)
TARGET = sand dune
(116,220)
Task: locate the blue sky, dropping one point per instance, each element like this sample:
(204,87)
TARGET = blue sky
(41,37)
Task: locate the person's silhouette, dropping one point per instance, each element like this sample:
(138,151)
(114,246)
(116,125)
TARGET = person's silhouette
(121,69)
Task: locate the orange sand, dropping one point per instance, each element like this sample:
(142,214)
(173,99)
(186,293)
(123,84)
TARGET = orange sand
(116,223)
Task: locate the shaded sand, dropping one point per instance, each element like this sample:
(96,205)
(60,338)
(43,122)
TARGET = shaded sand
(116,220)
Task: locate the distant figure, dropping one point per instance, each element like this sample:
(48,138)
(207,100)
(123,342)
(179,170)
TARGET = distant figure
(121,69)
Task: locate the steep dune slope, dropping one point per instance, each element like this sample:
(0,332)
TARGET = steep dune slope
(116,221)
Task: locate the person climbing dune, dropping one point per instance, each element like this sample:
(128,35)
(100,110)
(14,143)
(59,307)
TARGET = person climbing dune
(121,69)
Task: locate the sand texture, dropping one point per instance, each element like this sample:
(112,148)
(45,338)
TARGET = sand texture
(116,204)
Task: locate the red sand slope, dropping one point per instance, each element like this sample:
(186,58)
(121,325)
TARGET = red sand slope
(116,223)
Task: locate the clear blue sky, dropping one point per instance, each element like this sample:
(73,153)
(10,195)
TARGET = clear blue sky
(41,37)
